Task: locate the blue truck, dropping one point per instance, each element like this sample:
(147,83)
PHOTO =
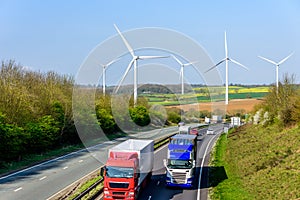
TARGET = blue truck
(181,161)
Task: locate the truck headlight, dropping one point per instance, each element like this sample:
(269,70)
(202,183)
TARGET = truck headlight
(106,192)
(190,180)
(130,193)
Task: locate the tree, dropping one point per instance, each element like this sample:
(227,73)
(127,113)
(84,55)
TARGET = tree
(282,103)
(43,134)
(12,137)
(106,121)
(140,115)
(174,115)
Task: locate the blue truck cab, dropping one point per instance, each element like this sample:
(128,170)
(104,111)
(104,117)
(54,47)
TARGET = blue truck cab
(180,164)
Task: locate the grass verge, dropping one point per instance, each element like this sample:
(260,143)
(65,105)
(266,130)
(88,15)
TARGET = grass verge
(259,162)
(85,186)
(223,182)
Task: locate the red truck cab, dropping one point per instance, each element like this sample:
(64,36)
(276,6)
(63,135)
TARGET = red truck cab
(128,169)
(121,176)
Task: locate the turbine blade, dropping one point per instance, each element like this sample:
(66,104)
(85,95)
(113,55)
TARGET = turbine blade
(190,63)
(151,57)
(125,41)
(226,49)
(236,62)
(215,65)
(283,60)
(180,63)
(266,59)
(112,62)
(125,74)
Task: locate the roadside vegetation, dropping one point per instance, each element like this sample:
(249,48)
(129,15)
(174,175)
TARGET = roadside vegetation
(261,159)
(36,118)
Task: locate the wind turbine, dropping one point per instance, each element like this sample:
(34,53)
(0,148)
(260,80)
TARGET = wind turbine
(277,65)
(133,62)
(181,76)
(226,59)
(104,67)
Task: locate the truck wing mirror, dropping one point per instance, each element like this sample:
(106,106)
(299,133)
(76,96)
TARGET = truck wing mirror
(102,170)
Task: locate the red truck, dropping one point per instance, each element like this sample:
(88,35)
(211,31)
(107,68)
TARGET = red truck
(128,169)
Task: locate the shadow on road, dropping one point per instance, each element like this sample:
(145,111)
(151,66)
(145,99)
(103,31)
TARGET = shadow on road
(157,189)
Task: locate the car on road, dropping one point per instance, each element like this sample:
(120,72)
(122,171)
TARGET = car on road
(194,131)
(210,131)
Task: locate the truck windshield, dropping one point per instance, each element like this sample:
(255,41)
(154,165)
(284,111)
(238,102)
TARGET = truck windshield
(119,172)
(181,141)
(180,164)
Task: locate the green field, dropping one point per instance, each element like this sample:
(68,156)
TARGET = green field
(207,94)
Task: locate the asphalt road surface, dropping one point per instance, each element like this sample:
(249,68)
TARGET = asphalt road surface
(157,189)
(44,180)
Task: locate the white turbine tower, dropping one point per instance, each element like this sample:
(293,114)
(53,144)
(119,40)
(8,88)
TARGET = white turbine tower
(181,71)
(226,59)
(133,62)
(104,67)
(277,65)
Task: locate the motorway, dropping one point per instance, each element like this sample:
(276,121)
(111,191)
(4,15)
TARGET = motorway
(46,179)
(157,189)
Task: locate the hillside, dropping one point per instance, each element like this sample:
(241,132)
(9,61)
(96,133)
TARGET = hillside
(260,163)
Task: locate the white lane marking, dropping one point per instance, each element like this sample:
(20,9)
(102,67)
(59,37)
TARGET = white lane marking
(158,182)
(80,161)
(43,178)
(201,167)
(149,198)
(44,163)
(66,167)
(16,190)
(64,156)
(109,142)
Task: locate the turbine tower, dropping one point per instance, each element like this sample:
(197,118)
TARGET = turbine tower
(226,59)
(133,62)
(104,67)
(181,76)
(277,65)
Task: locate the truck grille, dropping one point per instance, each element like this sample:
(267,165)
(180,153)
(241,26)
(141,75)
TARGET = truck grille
(179,178)
(118,185)
(118,193)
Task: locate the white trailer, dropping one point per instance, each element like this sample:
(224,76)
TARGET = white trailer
(184,129)
(144,149)
(207,120)
(235,121)
(216,119)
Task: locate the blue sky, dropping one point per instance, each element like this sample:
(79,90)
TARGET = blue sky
(59,35)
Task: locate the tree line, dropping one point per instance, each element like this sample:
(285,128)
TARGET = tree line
(281,106)
(36,112)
